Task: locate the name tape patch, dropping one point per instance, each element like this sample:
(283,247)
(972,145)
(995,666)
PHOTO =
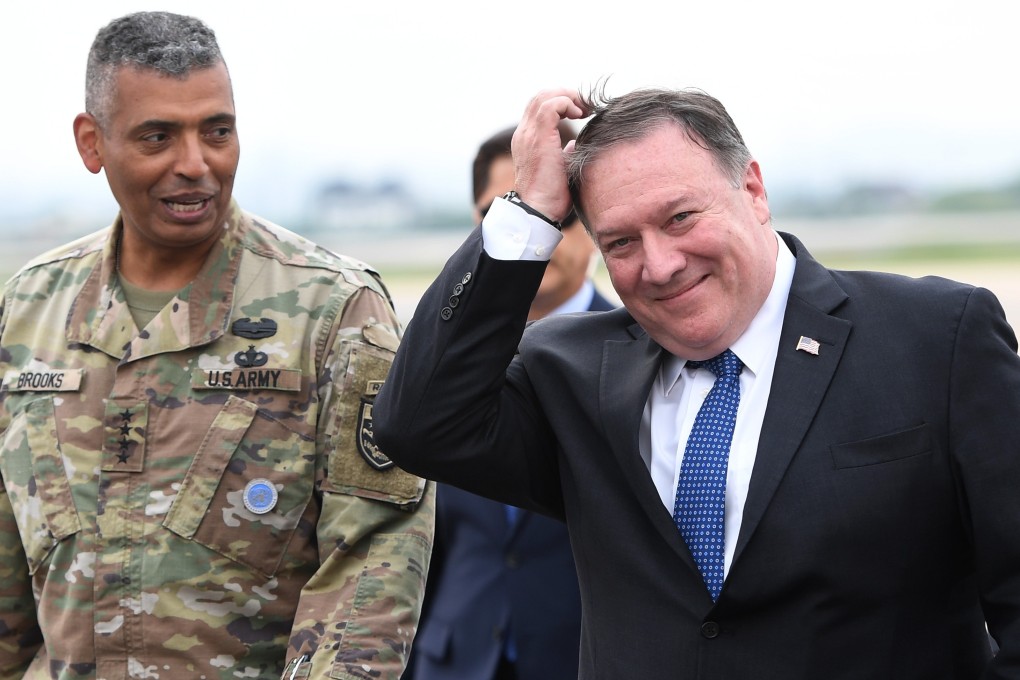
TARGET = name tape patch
(67,380)
(286,379)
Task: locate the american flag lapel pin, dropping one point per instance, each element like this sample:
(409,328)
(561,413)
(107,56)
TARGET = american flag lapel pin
(809,345)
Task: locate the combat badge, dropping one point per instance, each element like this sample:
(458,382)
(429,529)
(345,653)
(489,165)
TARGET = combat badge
(366,435)
(254,330)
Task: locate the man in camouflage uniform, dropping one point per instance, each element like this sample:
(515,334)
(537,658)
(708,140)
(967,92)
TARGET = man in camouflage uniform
(190,486)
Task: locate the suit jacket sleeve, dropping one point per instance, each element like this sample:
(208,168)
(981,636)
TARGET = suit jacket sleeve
(983,418)
(456,406)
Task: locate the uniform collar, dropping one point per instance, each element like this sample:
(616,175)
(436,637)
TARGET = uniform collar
(198,314)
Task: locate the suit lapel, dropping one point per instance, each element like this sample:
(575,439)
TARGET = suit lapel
(799,382)
(628,371)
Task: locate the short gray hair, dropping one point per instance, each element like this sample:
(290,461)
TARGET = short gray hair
(170,44)
(632,116)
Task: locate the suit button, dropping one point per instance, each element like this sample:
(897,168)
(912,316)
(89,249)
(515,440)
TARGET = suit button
(710,629)
(446,313)
(454,300)
(458,289)
(466,278)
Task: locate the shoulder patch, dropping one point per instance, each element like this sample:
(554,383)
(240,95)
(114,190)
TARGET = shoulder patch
(356,465)
(365,438)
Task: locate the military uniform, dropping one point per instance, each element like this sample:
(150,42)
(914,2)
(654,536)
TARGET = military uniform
(203,498)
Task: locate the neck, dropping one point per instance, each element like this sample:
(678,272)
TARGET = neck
(159,269)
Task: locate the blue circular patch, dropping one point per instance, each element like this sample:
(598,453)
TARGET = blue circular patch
(260,496)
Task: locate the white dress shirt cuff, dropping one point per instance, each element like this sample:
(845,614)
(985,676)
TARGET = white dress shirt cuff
(511,233)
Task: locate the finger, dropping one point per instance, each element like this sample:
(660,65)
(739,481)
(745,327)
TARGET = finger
(563,102)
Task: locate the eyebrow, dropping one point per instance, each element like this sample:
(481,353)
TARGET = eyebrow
(672,206)
(211,120)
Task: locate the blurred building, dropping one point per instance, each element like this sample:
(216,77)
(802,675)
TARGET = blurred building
(343,205)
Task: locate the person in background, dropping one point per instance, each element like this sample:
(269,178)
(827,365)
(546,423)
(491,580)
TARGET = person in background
(768,469)
(567,285)
(502,598)
(190,485)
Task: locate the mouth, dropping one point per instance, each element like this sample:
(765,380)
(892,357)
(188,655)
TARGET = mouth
(188,209)
(191,206)
(682,292)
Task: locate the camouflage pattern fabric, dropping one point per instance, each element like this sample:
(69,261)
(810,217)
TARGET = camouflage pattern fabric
(203,499)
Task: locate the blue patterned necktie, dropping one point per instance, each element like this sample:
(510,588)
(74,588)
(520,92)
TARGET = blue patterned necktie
(699,509)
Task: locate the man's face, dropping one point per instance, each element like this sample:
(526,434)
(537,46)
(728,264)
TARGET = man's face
(570,261)
(691,257)
(170,151)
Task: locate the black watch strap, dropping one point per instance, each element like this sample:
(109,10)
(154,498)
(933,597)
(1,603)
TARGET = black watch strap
(515,198)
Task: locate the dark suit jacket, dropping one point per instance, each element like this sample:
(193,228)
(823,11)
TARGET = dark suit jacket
(882,524)
(488,578)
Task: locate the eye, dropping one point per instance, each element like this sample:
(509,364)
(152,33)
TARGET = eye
(221,132)
(680,217)
(617,244)
(155,137)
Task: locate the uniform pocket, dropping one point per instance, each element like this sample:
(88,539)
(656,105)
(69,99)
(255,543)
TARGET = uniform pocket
(245,456)
(36,481)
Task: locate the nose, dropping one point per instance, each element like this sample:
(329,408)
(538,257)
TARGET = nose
(190,162)
(662,260)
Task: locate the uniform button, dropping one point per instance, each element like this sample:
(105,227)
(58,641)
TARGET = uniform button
(454,300)
(540,251)
(467,277)
(710,629)
(446,313)
(458,288)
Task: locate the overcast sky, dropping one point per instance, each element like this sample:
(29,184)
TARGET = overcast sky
(824,93)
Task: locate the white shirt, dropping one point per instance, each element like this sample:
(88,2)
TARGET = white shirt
(511,233)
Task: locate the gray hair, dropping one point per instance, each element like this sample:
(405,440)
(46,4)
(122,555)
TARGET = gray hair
(632,116)
(170,44)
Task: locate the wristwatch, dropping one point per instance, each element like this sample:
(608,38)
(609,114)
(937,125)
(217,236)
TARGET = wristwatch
(515,198)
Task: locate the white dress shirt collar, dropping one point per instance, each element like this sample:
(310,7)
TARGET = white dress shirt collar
(579,301)
(757,344)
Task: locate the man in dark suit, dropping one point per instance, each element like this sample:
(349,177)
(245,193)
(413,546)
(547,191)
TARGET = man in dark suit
(502,600)
(866,426)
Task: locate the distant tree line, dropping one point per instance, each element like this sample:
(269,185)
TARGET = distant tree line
(891,197)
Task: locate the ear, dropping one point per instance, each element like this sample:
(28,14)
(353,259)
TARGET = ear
(755,188)
(87,136)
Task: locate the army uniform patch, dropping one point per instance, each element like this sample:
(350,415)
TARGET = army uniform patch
(286,379)
(47,380)
(260,496)
(366,436)
(254,330)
